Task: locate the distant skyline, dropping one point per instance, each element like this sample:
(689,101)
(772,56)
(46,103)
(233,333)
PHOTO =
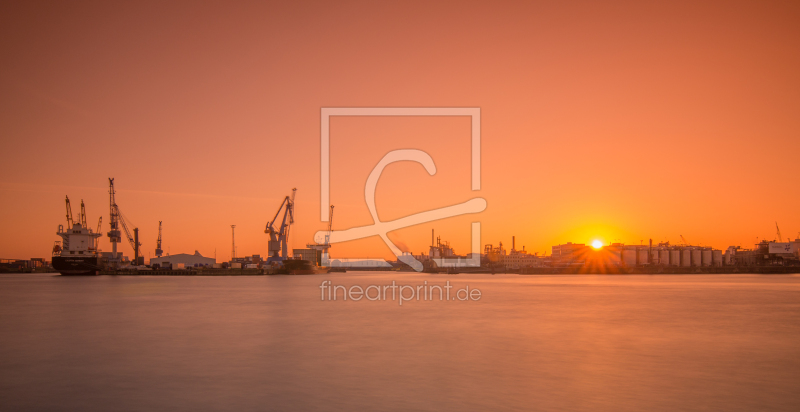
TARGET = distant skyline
(618,121)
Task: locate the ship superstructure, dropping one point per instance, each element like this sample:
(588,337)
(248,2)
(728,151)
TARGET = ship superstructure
(77,254)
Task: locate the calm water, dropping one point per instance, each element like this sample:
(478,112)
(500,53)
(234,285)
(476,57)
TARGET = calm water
(560,343)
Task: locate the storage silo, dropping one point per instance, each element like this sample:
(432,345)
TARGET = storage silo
(675,257)
(663,257)
(629,256)
(642,254)
(614,254)
(697,257)
(686,257)
(716,257)
(706,256)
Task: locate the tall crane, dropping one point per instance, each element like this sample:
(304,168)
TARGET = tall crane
(113,234)
(117,220)
(69,214)
(277,249)
(159,252)
(133,240)
(683,239)
(780,238)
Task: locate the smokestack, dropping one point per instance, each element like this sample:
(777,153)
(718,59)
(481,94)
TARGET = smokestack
(513,243)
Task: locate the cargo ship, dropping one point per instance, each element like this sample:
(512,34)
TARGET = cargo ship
(77,254)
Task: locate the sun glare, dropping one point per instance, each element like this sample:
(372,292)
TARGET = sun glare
(597,244)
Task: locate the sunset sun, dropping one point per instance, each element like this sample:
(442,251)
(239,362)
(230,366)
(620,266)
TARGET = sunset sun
(597,244)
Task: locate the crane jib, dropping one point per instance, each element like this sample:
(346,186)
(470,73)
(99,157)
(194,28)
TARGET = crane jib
(278,237)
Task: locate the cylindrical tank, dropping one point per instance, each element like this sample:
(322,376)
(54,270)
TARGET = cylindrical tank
(642,256)
(614,255)
(629,257)
(716,257)
(697,257)
(663,257)
(706,257)
(686,257)
(675,257)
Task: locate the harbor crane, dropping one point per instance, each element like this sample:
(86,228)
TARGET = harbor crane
(277,249)
(117,220)
(780,238)
(159,251)
(113,234)
(683,239)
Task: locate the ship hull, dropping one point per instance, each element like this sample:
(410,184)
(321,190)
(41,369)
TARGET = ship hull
(76,266)
(303,267)
(313,271)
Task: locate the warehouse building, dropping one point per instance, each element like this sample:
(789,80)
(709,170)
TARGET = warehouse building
(184,258)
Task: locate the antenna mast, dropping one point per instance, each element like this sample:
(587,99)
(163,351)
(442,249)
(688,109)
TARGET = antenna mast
(233,242)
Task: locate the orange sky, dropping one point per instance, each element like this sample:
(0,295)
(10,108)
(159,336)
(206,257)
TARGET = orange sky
(620,121)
